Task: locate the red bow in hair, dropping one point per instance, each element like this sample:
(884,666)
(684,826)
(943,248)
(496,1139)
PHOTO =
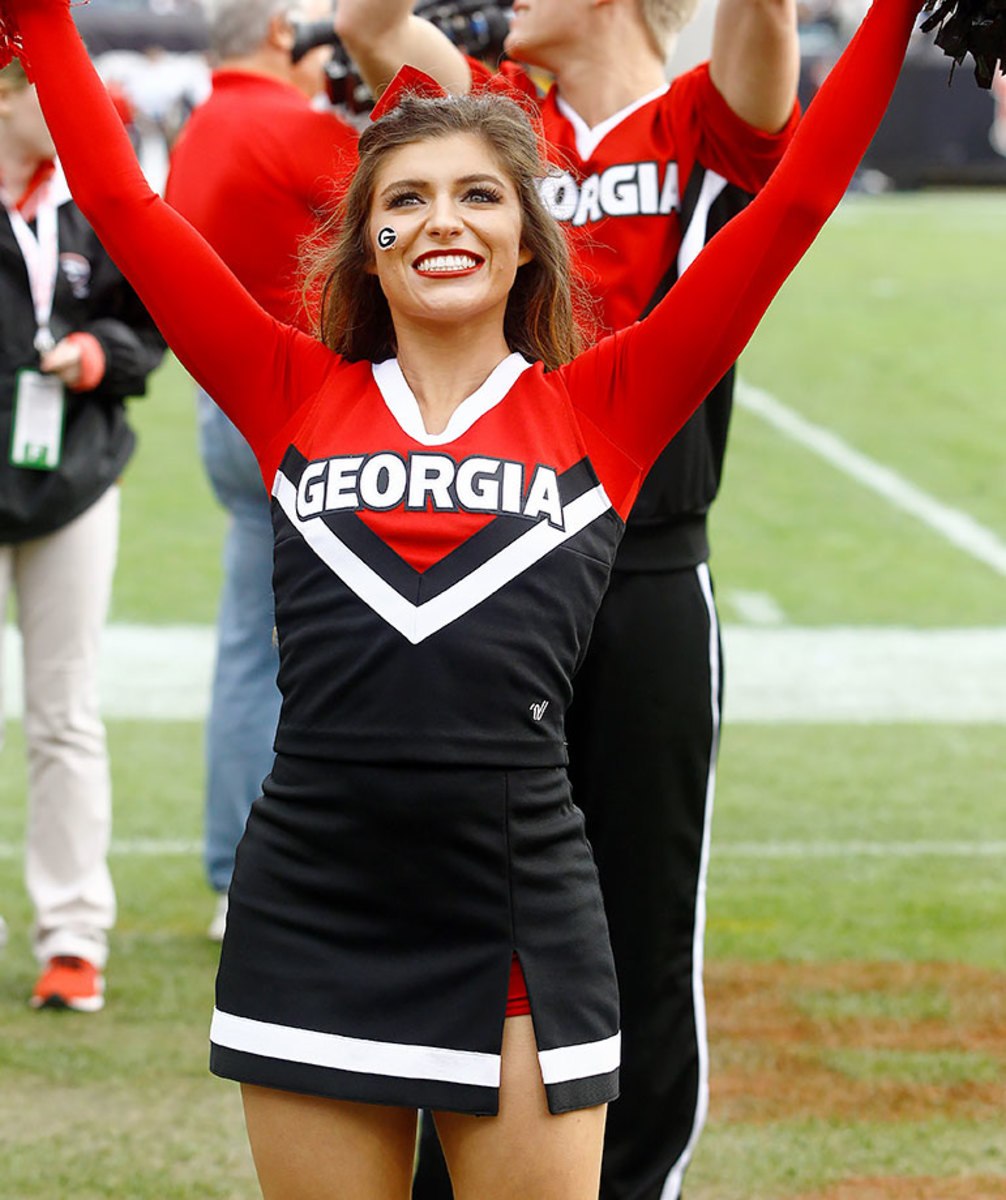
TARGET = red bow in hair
(516,86)
(10,33)
(410,81)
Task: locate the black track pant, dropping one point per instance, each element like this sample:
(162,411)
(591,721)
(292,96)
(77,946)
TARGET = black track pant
(643,732)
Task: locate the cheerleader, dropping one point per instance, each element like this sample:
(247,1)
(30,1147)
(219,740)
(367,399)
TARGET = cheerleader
(415,919)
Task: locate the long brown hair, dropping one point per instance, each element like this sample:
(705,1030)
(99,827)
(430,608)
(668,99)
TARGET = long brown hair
(353,315)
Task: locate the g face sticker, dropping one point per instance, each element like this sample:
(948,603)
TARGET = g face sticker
(386,237)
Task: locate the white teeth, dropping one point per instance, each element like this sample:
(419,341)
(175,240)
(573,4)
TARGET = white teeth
(448,262)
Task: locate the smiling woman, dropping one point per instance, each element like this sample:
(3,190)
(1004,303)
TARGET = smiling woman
(457,251)
(415,919)
(503,201)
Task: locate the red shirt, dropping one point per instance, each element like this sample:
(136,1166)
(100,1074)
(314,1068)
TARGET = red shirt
(254,170)
(622,185)
(639,195)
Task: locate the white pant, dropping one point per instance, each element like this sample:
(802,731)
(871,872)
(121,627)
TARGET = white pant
(63,584)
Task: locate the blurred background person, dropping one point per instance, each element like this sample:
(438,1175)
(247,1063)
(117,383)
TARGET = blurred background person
(161,87)
(649,171)
(74,342)
(254,170)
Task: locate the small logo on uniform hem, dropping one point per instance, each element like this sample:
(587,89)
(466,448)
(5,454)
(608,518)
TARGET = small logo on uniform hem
(538,710)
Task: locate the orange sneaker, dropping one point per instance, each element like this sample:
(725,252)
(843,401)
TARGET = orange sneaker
(70,982)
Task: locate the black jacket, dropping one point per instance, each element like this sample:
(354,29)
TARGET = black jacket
(91,297)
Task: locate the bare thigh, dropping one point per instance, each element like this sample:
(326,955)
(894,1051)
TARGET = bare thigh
(525,1151)
(309,1148)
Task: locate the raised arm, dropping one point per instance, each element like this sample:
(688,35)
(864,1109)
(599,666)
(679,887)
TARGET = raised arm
(229,344)
(663,367)
(383,35)
(755,60)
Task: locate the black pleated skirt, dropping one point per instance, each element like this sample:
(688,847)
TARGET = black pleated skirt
(373,916)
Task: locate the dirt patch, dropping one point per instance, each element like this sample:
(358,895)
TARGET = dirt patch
(863,1041)
(913,1189)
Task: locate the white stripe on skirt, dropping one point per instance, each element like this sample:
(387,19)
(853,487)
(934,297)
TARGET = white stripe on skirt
(580,1062)
(341,1053)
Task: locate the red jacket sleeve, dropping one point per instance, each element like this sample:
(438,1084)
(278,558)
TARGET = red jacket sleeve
(254,366)
(640,385)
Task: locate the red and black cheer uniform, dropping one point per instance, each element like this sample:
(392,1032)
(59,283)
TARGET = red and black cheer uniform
(434,594)
(639,195)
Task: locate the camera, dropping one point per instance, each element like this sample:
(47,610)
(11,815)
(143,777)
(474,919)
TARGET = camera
(476,28)
(344,86)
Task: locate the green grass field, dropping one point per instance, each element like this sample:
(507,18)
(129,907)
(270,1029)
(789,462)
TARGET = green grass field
(857,993)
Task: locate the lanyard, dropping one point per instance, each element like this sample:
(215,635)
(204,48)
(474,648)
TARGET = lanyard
(40,251)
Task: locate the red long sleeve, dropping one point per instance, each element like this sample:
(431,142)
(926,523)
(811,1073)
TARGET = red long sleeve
(662,367)
(256,367)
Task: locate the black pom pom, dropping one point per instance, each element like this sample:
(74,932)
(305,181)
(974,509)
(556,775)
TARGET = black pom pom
(975,27)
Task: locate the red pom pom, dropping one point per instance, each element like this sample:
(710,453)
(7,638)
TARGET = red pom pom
(9,39)
(10,34)
(408,81)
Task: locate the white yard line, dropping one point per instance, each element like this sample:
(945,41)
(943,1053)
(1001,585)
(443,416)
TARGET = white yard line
(799,849)
(129,848)
(755,608)
(865,676)
(148,672)
(723,849)
(955,526)
(776,674)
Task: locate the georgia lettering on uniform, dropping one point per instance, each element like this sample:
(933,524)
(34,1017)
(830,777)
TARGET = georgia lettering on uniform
(421,481)
(623,190)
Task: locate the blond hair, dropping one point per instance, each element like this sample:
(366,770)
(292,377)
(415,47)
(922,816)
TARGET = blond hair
(666,18)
